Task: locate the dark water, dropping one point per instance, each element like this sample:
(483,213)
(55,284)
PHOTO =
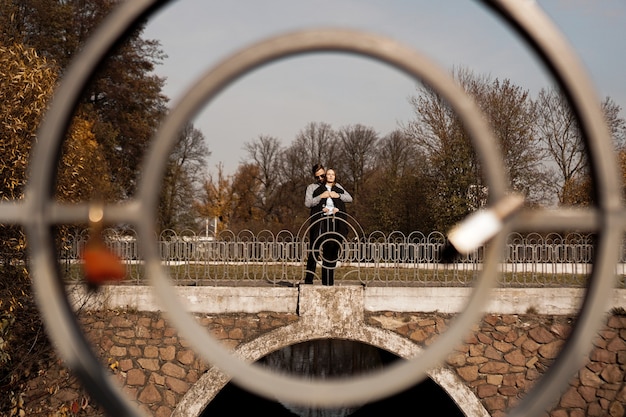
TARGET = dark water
(318,357)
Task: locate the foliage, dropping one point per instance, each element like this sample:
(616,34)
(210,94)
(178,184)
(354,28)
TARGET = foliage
(579,191)
(83,172)
(512,115)
(27,84)
(615,123)
(100,153)
(247,196)
(439,135)
(25,79)
(437,131)
(24,349)
(123,104)
(215,204)
(124,99)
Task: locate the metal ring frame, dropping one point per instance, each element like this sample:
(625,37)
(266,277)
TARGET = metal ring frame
(253,377)
(39,212)
(329,236)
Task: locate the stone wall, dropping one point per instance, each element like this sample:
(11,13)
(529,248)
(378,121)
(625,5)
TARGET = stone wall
(501,358)
(505,354)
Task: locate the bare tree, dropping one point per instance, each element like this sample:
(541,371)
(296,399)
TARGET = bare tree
(561,138)
(182,181)
(265,154)
(295,176)
(454,167)
(357,155)
(396,196)
(438,134)
(396,154)
(615,123)
(577,188)
(315,143)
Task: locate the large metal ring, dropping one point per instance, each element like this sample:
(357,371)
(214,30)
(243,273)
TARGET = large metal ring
(39,212)
(297,390)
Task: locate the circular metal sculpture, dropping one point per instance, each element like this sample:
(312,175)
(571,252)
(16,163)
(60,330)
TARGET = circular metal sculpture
(321,248)
(38,213)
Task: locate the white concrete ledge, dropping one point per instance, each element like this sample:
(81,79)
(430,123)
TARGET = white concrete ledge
(209,300)
(550,301)
(215,300)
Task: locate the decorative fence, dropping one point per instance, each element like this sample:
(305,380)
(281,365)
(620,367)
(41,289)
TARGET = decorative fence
(266,258)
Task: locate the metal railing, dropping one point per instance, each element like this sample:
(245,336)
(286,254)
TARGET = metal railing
(376,259)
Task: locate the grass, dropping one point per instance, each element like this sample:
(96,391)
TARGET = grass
(263,274)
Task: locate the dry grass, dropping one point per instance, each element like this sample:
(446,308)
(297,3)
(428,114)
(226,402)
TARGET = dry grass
(283,274)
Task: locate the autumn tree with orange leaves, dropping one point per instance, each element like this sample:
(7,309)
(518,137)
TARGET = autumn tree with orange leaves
(28,81)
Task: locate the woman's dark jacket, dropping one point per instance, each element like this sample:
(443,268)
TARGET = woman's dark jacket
(340,221)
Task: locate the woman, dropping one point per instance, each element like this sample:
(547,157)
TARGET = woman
(334,223)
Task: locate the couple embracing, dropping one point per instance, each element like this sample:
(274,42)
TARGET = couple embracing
(327,202)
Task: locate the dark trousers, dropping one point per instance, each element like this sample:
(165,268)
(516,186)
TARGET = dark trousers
(330,247)
(330,254)
(311,260)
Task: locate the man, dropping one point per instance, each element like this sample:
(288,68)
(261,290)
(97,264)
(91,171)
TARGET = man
(312,202)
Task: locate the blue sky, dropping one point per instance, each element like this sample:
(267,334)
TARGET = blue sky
(281,98)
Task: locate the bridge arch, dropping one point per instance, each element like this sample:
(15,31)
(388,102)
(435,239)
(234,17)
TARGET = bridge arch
(339,315)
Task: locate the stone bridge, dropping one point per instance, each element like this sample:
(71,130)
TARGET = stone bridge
(501,357)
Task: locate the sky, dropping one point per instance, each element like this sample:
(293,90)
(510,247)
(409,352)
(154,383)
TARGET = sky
(281,98)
